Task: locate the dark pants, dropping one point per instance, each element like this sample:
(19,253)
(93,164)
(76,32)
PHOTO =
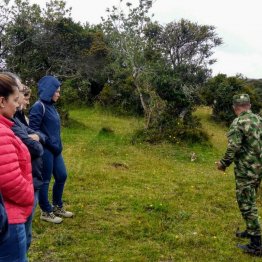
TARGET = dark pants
(28,223)
(52,165)
(246,193)
(13,249)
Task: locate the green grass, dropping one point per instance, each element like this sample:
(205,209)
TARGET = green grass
(140,202)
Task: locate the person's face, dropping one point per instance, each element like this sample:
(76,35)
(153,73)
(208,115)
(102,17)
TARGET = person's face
(8,106)
(56,95)
(21,95)
(26,101)
(239,109)
(235,108)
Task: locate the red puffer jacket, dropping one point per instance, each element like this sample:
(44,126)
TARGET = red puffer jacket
(16,182)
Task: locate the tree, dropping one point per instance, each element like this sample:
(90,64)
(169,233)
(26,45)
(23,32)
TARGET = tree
(166,65)
(187,43)
(219,91)
(20,37)
(187,49)
(47,41)
(5,18)
(36,39)
(125,34)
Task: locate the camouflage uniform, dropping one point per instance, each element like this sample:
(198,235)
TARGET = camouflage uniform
(244,148)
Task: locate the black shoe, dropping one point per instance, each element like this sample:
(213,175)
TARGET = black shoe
(242,234)
(254,247)
(252,250)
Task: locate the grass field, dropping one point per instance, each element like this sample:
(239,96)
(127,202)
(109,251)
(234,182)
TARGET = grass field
(141,202)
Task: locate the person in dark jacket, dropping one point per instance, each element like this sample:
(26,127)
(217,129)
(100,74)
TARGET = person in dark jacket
(25,100)
(33,141)
(44,118)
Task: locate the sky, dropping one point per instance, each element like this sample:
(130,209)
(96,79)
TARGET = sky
(237,22)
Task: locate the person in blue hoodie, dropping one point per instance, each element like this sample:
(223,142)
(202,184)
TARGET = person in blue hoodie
(44,118)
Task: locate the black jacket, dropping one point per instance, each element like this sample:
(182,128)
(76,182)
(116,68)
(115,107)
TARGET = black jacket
(20,115)
(35,148)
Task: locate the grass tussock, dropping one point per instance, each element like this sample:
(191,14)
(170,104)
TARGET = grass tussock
(140,202)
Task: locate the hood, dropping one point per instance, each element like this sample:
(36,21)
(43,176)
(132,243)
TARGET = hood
(47,86)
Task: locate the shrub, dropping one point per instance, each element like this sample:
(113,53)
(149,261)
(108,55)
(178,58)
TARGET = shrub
(120,97)
(173,130)
(219,91)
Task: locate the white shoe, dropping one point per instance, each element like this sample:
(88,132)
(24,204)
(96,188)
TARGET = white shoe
(59,211)
(50,217)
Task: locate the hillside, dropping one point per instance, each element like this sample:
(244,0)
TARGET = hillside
(140,202)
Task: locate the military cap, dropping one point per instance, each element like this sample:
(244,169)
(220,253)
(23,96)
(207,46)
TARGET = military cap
(241,99)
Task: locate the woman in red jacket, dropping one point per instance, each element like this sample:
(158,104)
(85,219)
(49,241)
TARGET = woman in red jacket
(16,183)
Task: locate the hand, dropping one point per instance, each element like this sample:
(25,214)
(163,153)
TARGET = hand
(220,166)
(34,137)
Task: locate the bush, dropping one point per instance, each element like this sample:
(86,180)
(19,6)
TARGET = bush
(69,93)
(173,130)
(219,91)
(120,97)
(63,112)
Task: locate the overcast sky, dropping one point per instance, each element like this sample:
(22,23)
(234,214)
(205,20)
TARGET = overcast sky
(238,22)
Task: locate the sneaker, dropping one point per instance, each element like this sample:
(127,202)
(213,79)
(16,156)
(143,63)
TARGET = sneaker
(50,217)
(59,211)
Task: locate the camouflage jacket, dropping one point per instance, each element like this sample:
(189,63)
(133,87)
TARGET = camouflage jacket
(244,140)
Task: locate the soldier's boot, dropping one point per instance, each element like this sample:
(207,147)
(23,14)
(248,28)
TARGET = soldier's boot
(242,234)
(254,247)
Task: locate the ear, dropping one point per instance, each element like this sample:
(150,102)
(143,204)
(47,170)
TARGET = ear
(2,102)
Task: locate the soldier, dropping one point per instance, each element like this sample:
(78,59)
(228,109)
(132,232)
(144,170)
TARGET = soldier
(245,149)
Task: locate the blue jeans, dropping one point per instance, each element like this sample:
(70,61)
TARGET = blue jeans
(13,249)
(28,223)
(52,165)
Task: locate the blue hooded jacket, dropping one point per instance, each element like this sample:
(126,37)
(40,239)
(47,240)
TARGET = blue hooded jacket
(43,116)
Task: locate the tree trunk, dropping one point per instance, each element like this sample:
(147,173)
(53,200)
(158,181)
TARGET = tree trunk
(144,106)
(183,113)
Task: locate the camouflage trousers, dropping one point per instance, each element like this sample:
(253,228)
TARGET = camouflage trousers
(246,194)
